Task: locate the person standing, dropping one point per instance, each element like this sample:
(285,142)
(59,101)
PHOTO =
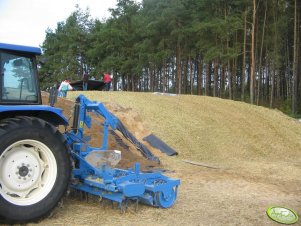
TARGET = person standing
(107,80)
(64,87)
(85,81)
(56,84)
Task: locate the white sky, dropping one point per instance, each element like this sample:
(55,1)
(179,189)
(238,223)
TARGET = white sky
(24,22)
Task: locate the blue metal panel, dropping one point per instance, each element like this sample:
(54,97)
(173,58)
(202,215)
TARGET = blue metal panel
(20,48)
(130,189)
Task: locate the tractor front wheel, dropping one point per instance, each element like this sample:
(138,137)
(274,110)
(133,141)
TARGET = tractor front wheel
(34,169)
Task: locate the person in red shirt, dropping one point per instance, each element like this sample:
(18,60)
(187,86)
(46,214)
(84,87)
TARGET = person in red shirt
(107,80)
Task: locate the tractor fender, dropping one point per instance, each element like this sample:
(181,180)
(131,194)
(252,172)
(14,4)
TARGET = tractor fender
(50,114)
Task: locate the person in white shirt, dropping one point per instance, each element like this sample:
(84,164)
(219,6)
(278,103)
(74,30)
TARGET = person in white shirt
(64,87)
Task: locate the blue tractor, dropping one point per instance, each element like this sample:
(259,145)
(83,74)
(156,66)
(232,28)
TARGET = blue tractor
(38,163)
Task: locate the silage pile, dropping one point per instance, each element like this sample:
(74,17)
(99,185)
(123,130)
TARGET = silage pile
(211,129)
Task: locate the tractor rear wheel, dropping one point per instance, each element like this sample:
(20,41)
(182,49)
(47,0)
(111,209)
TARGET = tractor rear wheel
(34,169)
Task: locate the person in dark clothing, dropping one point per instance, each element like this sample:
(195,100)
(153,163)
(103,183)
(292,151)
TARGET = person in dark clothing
(85,81)
(56,84)
(107,80)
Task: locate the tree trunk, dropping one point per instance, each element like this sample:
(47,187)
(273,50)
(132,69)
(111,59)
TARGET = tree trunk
(123,83)
(191,75)
(222,91)
(152,77)
(265,86)
(276,54)
(179,68)
(267,81)
(215,82)
(234,78)
(173,76)
(164,68)
(243,74)
(200,75)
(295,62)
(298,59)
(272,88)
(260,56)
(208,79)
(159,80)
(230,80)
(185,77)
(114,74)
(167,77)
(133,82)
(252,76)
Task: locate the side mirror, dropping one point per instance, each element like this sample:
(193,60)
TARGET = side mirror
(43,60)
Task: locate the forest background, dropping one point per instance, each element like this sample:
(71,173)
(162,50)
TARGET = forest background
(246,50)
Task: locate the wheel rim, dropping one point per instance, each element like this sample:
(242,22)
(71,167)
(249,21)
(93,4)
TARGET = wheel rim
(28,171)
(166,199)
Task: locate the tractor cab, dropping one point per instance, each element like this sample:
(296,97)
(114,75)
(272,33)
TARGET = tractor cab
(19,80)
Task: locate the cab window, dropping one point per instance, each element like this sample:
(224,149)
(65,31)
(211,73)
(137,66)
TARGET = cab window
(18,78)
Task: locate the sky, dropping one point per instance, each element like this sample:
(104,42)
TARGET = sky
(24,22)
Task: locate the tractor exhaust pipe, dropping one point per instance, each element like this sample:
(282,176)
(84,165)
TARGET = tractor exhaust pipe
(52,96)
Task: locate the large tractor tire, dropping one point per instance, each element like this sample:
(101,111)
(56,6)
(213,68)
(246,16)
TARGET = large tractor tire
(34,169)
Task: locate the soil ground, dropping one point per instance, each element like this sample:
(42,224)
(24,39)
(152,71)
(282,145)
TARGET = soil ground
(237,191)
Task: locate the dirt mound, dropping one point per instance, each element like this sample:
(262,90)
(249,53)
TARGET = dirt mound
(131,119)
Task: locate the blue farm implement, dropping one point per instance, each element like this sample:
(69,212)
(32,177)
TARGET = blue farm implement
(94,173)
(38,163)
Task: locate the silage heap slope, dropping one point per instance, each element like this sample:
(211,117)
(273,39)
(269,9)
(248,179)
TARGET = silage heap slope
(211,129)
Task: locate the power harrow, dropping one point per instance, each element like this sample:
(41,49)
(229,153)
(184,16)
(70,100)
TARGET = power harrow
(94,170)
